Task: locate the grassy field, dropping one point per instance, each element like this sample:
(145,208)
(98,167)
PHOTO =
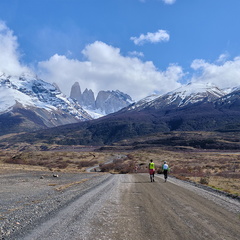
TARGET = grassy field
(53,160)
(218,169)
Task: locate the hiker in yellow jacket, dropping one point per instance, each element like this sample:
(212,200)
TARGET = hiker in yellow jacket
(151,168)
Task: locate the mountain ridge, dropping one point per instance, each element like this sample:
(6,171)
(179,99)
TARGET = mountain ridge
(37,104)
(220,114)
(187,94)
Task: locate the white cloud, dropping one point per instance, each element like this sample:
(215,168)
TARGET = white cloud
(223,58)
(224,75)
(159,36)
(106,69)
(137,54)
(169,1)
(9,55)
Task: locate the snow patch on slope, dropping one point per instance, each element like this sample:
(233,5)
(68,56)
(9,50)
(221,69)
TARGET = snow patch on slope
(31,92)
(194,92)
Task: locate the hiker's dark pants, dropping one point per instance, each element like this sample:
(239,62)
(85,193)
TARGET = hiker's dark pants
(165,172)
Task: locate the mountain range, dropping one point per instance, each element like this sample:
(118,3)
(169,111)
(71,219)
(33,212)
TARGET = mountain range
(27,103)
(184,96)
(193,107)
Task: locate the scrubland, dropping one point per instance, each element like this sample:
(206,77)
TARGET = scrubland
(220,170)
(217,169)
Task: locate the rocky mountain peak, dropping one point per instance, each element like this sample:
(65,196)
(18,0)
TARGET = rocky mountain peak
(106,102)
(112,101)
(76,92)
(88,99)
(36,102)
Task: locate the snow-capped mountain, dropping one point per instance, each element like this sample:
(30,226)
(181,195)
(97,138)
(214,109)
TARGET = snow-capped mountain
(191,93)
(105,103)
(112,101)
(37,102)
(230,100)
(143,102)
(194,107)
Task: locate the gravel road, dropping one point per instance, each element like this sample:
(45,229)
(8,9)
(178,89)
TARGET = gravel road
(35,205)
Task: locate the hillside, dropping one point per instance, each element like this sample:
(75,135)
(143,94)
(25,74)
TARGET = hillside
(209,113)
(28,103)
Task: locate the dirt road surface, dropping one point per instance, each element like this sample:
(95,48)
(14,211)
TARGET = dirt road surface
(114,207)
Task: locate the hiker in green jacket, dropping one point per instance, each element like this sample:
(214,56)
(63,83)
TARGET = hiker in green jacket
(165,169)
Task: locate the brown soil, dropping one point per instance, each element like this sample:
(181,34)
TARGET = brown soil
(120,207)
(163,211)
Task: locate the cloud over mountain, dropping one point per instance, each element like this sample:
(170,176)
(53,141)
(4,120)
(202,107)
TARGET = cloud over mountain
(9,54)
(224,74)
(106,68)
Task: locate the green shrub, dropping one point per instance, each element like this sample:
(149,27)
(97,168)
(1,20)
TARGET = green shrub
(204,180)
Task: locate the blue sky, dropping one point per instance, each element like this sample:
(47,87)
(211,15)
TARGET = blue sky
(137,46)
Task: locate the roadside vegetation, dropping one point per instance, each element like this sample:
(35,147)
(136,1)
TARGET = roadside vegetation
(54,160)
(207,158)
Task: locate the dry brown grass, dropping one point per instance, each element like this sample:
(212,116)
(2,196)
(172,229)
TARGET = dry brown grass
(52,160)
(65,186)
(220,169)
(229,185)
